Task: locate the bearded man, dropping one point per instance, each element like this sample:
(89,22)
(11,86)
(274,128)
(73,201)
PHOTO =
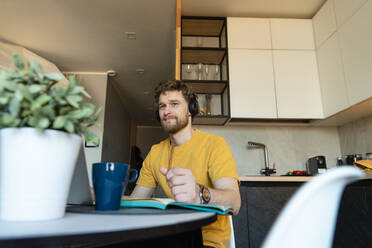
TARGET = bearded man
(190,165)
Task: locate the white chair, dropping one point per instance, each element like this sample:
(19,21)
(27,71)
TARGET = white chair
(309,218)
(232,237)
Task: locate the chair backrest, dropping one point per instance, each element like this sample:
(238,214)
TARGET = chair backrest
(232,236)
(309,218)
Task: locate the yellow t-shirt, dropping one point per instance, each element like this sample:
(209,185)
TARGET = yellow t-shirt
(209,158)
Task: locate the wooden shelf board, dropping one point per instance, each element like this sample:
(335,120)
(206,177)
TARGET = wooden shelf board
(205,56)
(207,87)
(202,27)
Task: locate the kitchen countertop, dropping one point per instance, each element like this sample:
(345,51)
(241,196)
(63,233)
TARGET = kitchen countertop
(257,178)
(275,178)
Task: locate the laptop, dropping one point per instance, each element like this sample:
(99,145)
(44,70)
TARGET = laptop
(80,190)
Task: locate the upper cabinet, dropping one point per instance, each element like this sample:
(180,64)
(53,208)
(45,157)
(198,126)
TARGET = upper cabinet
(292,34)
(356,52)
(331,77)
(324,23)
(204,66)
(344,9)
(250,33)
(252,91)
(344,53)
(297,84)
(275,80)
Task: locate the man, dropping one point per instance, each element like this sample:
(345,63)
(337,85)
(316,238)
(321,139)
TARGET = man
(190,165)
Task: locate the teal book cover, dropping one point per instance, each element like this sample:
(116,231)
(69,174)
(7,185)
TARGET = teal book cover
(164,203)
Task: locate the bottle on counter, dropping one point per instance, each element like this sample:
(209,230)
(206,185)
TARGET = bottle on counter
(340,161)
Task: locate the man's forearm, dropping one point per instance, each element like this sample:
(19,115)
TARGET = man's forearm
(226,197)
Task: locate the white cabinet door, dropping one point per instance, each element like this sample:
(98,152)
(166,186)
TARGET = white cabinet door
(344,9)
(331,77)
(324,23)
(292,34)
(252,33)
(356,49)
(297,84)
(252,93)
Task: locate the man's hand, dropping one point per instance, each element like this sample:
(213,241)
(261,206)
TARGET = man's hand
(182,183)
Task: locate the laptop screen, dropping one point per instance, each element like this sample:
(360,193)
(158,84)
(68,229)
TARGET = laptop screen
(80,189)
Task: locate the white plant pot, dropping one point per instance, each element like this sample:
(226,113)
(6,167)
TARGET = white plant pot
(35,172)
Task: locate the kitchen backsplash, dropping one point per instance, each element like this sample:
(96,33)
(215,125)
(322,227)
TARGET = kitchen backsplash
(356,137)
(288,146)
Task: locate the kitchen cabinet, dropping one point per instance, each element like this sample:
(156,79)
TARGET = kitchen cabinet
(292,34)
(297,84)
(275,83)
(263,201)
(331,77)
(252,93)
(324,23)
(204,66)
(356,51)
(251,33)
(344,9)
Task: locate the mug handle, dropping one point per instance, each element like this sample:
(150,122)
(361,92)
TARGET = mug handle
(134,175)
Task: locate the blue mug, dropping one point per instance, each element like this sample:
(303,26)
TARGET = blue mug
(109,182)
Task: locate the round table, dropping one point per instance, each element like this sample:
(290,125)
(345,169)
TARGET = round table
(131,229)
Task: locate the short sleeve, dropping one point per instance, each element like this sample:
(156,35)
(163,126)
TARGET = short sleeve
(146,177)
(221,163)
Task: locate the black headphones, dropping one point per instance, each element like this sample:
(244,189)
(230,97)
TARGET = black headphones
(193,107)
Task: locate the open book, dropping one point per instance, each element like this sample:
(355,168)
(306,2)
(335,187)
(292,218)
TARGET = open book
(164,203)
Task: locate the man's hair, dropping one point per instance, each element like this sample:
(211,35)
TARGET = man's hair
(174,85)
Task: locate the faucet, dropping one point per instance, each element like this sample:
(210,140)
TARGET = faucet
(267,170)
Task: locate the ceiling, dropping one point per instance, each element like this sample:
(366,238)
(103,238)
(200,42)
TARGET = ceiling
(90,36)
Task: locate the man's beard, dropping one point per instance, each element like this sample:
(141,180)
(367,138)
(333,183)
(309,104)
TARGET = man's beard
(179,124)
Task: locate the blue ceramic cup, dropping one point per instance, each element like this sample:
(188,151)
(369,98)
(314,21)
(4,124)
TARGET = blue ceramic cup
(109,182)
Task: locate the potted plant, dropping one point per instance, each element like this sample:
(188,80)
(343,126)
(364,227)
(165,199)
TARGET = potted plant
(41,123)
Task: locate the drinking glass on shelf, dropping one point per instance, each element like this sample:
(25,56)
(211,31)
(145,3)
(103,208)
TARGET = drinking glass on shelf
(188,69)
(188,72)
(217,73)
(206,72)
(200,71)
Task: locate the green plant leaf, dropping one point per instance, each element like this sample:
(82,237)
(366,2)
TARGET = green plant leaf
(42,99)
(90,137)
(4,100)
(48,111)
(59,122)
(14,106)
(18,61)
(36,88)
(32,121)
(55,76)
(74,100)
(34,67)
(65,110)
(43,123)
(69,126)
(7,119)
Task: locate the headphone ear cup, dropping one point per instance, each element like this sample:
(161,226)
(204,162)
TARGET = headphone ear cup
(157,115)
(193,106)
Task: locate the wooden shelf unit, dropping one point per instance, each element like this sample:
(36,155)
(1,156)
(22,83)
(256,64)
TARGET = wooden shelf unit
(204,42)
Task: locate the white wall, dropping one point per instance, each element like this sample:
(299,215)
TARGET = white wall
(288,146)
(356,137)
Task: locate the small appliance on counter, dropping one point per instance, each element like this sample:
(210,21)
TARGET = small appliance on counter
(316,165)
